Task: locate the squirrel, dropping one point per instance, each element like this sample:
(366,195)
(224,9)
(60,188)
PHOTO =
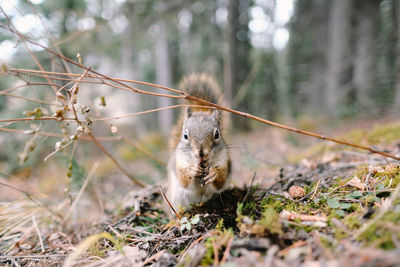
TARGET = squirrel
(199,165)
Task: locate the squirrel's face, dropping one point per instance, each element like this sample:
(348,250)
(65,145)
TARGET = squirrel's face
(201,134)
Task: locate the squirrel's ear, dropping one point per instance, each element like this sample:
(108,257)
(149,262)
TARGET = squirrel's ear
(188,112)
(216,114)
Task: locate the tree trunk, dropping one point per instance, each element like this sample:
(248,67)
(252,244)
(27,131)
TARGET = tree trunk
(396,107)
(237,57)
(367,30)
(299,56)
(230,57)
(316,86)
(163,77)
(339,30)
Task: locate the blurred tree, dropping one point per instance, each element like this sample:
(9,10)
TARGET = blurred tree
(237,58)
(338,52)
(319,43)
(299,54)
(396,7)
(164,75)
(366,49)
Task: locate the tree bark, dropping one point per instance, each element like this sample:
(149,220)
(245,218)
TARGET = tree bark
(339,32)
(163,77)
(396,107)
(230,57)
(367,30)
(316,86)
(237,57)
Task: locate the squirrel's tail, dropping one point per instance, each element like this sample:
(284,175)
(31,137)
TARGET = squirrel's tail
(203,86)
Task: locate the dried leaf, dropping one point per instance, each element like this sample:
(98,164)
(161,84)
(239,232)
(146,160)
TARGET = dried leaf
(195,220)
(356,182)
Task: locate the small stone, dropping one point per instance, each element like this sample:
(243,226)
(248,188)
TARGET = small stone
(296,191)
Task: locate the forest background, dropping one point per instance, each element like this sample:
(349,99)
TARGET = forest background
(314,64)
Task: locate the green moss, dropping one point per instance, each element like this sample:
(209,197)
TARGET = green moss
(220,240)
(279,203)
(208,259)
(339,233)
(389,175)
(270,221)
(352,221)
(249,208)
(380,234)
(326,243)
(384,134)
(220,225)
(392,176)
(378,237)
(380,134)
(272,201)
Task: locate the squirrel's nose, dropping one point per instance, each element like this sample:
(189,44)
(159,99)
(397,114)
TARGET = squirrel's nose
(201,153)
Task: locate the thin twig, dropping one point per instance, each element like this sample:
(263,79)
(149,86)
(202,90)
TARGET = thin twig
(37,202)
(127,174)
(44,118)
(33,256)
(84,138)
(26,84)
(215,251)
(57,150)
(154,257)
(243,114)
(146,112)
(23,40)
(33,100)
(251,186)
(78,196)
(169,203)
(38,233)
(315,190)
(227,251)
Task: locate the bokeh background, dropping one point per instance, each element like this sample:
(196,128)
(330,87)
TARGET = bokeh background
(318,65)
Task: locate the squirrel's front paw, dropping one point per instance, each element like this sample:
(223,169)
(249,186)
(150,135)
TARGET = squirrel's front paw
(211,176)
(195,171)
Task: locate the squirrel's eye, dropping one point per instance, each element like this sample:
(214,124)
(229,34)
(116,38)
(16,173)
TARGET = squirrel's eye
(185,135)
(216,134)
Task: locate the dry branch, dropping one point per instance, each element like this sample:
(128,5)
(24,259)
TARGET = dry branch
(207,103)
(130,176)
(23,40)
(84,138)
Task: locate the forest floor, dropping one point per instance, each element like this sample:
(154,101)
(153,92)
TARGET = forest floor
(289,204)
